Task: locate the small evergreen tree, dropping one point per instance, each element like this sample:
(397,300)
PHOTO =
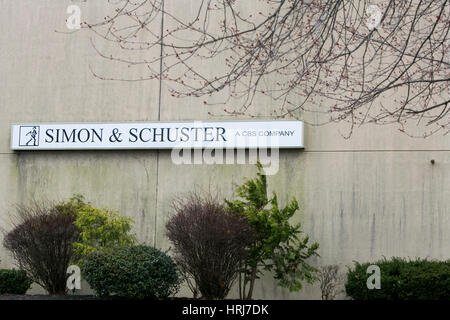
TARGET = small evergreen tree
(278,246)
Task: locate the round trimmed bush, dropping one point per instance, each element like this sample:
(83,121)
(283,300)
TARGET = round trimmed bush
(135,272)
(14,282)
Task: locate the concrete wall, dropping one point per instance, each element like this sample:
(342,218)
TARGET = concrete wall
(375,194)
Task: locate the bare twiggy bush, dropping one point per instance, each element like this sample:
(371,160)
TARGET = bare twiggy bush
(330,280)
(41,242)
(210,243)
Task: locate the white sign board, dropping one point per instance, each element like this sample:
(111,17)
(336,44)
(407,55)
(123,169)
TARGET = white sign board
(157,135)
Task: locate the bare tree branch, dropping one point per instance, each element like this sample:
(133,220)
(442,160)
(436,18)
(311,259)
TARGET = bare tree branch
(320,56)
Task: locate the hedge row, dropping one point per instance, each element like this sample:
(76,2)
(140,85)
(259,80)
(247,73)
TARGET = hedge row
(401,279)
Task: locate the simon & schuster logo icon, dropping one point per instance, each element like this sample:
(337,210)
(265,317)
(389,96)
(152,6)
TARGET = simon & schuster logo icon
(29,136)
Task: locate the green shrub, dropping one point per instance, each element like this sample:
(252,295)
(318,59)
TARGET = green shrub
(402,280)
(101,228)
(135,272)
(71,207)
(14,282)
(98,228)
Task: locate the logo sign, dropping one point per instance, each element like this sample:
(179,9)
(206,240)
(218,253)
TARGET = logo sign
(29,136)
(158,135)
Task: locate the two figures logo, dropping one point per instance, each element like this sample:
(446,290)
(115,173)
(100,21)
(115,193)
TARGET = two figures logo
(29,136)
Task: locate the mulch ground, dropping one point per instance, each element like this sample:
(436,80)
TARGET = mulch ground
(71,297)
(47,297)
